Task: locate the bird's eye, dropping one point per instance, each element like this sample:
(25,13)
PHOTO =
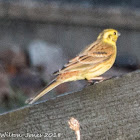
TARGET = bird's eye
(114,33)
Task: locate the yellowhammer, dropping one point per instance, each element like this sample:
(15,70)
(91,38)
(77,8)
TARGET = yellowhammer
(92,62)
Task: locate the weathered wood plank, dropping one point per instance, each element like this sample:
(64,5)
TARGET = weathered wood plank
(71,14)
(108,110)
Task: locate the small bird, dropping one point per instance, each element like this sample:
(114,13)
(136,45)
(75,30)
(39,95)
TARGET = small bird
(93,61)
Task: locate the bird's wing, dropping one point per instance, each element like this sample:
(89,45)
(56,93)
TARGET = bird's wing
(92,55)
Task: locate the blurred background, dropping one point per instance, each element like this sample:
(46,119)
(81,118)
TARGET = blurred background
(37,37)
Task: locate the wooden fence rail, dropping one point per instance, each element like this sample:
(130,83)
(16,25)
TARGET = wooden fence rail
(71,14)
(106,111)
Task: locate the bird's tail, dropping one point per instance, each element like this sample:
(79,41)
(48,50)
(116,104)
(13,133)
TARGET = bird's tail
(51,86)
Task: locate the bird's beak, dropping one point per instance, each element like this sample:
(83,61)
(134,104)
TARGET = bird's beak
(119,34)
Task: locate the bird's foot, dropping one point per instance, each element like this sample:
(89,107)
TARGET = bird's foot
(91,82)
(96,80)
(104,79)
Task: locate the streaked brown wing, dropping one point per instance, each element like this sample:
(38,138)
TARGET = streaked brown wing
(93,55)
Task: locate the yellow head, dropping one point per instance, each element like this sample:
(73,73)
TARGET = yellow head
(109,36)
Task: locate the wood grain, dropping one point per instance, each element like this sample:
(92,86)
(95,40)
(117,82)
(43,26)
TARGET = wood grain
(106,111)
